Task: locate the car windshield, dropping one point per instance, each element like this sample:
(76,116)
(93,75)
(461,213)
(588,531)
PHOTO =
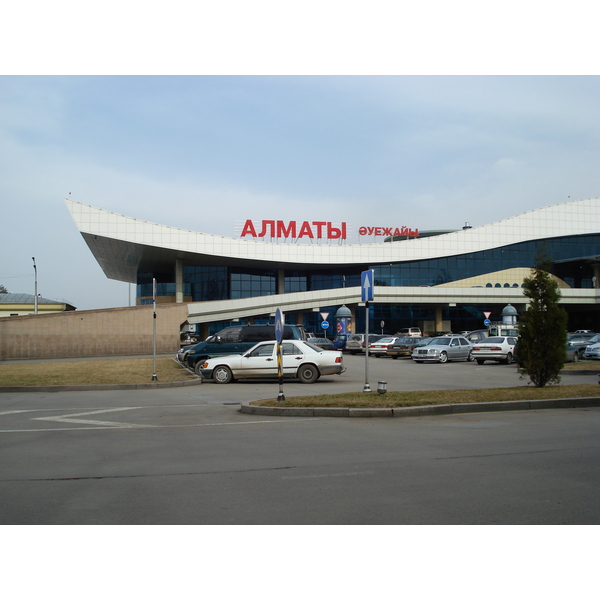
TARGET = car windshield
(494,340)
(595,339)
(442,341)
(384,341)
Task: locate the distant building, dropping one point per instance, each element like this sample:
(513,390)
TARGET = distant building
(16,305)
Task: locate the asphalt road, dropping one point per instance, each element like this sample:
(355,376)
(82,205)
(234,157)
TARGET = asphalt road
(188,456)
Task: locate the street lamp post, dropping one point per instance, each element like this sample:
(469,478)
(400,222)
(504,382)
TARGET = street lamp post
(35,298)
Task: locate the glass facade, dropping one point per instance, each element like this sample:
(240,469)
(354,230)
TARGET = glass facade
(206,283)
(454,268)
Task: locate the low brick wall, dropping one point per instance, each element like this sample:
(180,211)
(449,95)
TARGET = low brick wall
(104,332)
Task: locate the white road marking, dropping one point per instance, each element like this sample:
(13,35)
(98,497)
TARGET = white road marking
(326,475)
(96,424)
(69,419)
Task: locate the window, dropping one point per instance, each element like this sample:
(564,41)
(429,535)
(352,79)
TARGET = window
(266,350)
(290,349)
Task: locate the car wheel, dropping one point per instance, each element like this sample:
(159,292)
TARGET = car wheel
(479,361)
(198,366)
(222,374)
(470,358)
(308,374)
(509,359)
(443,357)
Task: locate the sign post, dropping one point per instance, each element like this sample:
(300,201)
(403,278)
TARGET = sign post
(366,296)
(279,325)
(154,377)
(325,323)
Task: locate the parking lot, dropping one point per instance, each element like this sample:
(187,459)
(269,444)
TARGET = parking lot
(188,456)
(402,374)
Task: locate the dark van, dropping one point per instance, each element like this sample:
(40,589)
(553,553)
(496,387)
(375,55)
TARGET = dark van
(235,340)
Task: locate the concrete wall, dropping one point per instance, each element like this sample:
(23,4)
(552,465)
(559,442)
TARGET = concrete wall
(105,332)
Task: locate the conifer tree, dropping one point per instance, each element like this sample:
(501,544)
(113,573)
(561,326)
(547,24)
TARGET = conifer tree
(543,326)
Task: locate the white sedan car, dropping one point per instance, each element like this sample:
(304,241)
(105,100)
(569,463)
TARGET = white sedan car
(300,360)
(500,349)
(379,347)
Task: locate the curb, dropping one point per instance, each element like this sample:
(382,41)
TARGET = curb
(420,411)
(104,387)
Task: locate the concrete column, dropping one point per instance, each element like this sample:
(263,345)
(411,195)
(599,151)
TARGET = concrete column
(178,281)
(439,325)
(596,267)
(280,281)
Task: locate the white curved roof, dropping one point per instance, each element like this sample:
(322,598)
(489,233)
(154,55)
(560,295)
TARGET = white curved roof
(123,245)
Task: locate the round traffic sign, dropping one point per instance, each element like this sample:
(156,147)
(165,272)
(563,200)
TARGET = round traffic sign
(486,322)
(325,324)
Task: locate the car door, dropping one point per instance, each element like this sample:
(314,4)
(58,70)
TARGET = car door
(292,357)
(260,362)
(454,350)
(466,347)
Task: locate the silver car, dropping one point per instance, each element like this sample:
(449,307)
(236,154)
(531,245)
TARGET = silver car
(580,341)
(444,348)
(592,352)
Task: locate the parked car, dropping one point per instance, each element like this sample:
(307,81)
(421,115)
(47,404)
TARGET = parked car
(592,350)
(581,340)
(339,341)
(499,349)
(379,347)
(403,346)
(444,348)
(300,360)
(478,335)
(235,340)
(571,351)
(356,342)
(410,332)
(323,343)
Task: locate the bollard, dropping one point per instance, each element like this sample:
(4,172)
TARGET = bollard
(381,387)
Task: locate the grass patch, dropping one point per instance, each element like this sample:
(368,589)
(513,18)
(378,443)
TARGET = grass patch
(93,372)
(432,397)
(582,365)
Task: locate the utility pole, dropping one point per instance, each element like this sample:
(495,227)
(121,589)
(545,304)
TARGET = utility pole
(35,298)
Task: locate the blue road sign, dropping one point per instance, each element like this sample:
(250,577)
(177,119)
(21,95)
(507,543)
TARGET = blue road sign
(366,285)
(487,322)
(278,325)
(325,324)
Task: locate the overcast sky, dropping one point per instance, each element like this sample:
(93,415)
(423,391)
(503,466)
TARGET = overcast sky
(207,152)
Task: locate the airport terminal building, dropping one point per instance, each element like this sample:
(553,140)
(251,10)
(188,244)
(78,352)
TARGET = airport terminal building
(436,280)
